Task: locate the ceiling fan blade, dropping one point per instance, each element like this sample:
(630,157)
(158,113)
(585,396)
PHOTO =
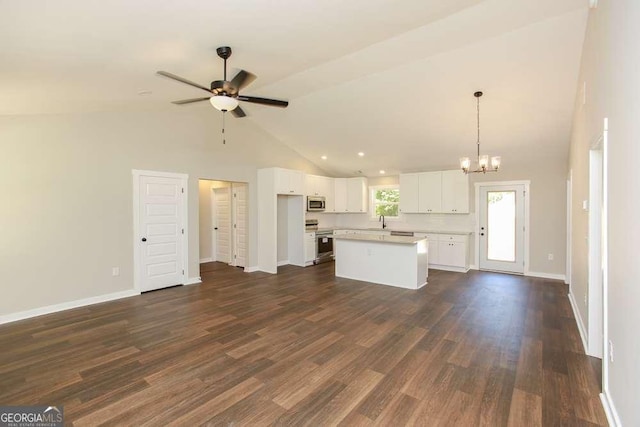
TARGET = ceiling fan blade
(182,80)
(189,101)
(242,79)
(238,112)
(263,101)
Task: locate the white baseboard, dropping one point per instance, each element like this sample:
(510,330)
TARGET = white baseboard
(281,263)
(473,267)
(581,328)
(610,410)
(193,281)
(251,269)
(545,275)
(13,317)
(203,260)
(448,268)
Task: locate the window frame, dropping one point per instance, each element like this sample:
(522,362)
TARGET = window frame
(373,204)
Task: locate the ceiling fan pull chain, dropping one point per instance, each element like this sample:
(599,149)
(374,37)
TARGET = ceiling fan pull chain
(224,141)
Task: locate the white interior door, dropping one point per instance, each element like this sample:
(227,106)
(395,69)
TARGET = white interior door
(501,228)
(161,228)
(222,224)
(239,217)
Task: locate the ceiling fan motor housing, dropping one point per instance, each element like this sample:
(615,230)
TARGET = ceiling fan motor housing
(222,87)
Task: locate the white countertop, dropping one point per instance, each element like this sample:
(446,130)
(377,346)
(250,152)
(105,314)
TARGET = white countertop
(464,233)
(405,240)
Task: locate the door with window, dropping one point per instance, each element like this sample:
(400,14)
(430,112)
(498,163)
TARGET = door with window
(501,228)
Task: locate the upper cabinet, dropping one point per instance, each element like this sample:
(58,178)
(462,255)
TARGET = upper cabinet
(455,192)
(316,185)
(350,195)
(430,200)
(357,194)
(289,181)
(410,192)
(434,192)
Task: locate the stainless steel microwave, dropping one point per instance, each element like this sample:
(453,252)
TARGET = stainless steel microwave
(316,203)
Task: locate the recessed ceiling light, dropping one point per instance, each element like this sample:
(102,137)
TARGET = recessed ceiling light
(382,172)
(361,154)
(323,157)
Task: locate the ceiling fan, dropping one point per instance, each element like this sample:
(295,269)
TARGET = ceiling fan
(226,94)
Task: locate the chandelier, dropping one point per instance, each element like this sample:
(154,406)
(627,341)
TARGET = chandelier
(483,161)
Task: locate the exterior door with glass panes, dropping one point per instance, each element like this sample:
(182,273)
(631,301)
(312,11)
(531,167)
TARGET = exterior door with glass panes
(501,228)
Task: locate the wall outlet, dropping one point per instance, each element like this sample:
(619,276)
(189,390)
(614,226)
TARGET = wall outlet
(610,351)
(115,271)
(550,257)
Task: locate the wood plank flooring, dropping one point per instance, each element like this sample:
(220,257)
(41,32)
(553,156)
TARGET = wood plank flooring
(307,348)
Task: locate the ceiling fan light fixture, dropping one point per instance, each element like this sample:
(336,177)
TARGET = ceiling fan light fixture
(223,102)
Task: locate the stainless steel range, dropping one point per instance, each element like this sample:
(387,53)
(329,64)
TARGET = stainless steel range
(324,241)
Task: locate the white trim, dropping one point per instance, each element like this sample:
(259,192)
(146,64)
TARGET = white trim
(281,263)
(569,227)
(542,275)
(252,269)
(184,178)
(203,260)
(579,322)
(473,267)
(605,266)
(193,281)
(449,268)
(66,306)
(527,198)
(610,410)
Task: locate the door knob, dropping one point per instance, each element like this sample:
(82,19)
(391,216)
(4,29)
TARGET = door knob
(144,239)
(482,234)
(215,228)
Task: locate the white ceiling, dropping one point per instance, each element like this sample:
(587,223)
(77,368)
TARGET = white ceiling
(394,79)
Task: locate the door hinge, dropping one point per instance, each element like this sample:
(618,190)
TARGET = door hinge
(234,194)
(183,231)
(183,272)
(234,226)
(182,190)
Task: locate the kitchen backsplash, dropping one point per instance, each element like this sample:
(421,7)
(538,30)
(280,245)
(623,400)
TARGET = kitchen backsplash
(431,222)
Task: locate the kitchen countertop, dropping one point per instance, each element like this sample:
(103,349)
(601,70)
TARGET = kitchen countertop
(464,233)
(406,240)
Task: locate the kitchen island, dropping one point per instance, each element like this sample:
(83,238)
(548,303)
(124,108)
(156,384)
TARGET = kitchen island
(400,261)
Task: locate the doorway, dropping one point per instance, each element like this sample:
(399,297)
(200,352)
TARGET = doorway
(501,238)
(596,263)
(223,222)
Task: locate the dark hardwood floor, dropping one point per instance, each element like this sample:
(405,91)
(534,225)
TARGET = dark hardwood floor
(304,347)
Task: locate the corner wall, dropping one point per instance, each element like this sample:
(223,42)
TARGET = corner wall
(610,66)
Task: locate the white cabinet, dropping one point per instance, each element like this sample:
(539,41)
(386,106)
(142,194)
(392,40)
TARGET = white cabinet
(350,195)
(409,192)
(357,195)
(340,194)
(455,192)
(289,181)
(447,251)
(316,185)
(430,184)
(309,248)
(434,192)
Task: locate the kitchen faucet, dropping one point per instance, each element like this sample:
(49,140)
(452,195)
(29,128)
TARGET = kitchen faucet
(381,218)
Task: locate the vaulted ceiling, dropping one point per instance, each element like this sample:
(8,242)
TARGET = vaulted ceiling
(393,79)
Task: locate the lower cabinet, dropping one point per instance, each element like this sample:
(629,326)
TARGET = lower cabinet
(309,248)
(448,251)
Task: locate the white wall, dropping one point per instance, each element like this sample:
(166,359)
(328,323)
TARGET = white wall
(67,216)
(610,64)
